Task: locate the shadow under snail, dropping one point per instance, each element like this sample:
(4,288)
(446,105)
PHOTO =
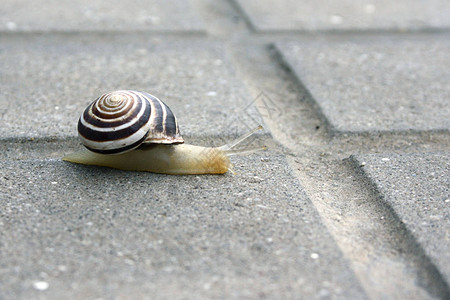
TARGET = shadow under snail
(136,131)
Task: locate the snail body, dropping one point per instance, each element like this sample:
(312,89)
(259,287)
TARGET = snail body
(182,159)
(136,131)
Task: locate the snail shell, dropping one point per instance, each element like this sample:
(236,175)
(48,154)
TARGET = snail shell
(121,121)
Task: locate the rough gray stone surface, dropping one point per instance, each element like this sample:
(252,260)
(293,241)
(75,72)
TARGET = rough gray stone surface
(65,15)
(59,77)
(376,85)
(96,232)
(346,14)
(417,187)
(297,221)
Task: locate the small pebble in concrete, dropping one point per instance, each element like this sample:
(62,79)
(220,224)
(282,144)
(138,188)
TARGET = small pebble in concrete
(336,20)
(40,285)
(369,9)
(11,26)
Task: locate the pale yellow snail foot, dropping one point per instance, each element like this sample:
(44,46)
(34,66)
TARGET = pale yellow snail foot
(181,159)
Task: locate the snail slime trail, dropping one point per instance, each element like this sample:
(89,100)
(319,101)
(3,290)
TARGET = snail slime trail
(135,131)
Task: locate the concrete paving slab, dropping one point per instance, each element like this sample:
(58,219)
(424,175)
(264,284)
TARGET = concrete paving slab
(71,231)
(47,82)
(80,15)
(346,15)
(390,84)
(417,187)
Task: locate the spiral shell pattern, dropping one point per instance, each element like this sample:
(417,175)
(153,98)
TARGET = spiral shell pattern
(121,121)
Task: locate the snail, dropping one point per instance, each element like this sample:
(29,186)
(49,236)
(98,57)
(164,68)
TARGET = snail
(136,131)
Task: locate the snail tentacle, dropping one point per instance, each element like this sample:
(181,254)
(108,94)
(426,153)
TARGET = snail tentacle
(229,148)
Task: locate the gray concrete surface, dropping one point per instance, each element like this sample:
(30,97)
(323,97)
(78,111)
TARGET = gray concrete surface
(95,232)
(376,84)
(299,221)
(417,187)
(64,15)
(60,76)
(291,15)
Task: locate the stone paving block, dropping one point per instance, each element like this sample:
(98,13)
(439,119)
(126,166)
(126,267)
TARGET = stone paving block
(48,81)
(79,15)
(376,85)
(346,14)
(92,232)
(417,187)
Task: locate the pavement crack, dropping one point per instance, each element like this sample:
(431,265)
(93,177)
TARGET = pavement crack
(387,261)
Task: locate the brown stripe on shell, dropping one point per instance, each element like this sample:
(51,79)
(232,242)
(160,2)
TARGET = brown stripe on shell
(164,122)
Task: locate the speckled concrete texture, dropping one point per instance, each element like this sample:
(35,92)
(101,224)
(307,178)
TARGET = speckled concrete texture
(376,85)
(57,15)
(59,77)
(417,187)
(349,201)
(94,231)
(310,15)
